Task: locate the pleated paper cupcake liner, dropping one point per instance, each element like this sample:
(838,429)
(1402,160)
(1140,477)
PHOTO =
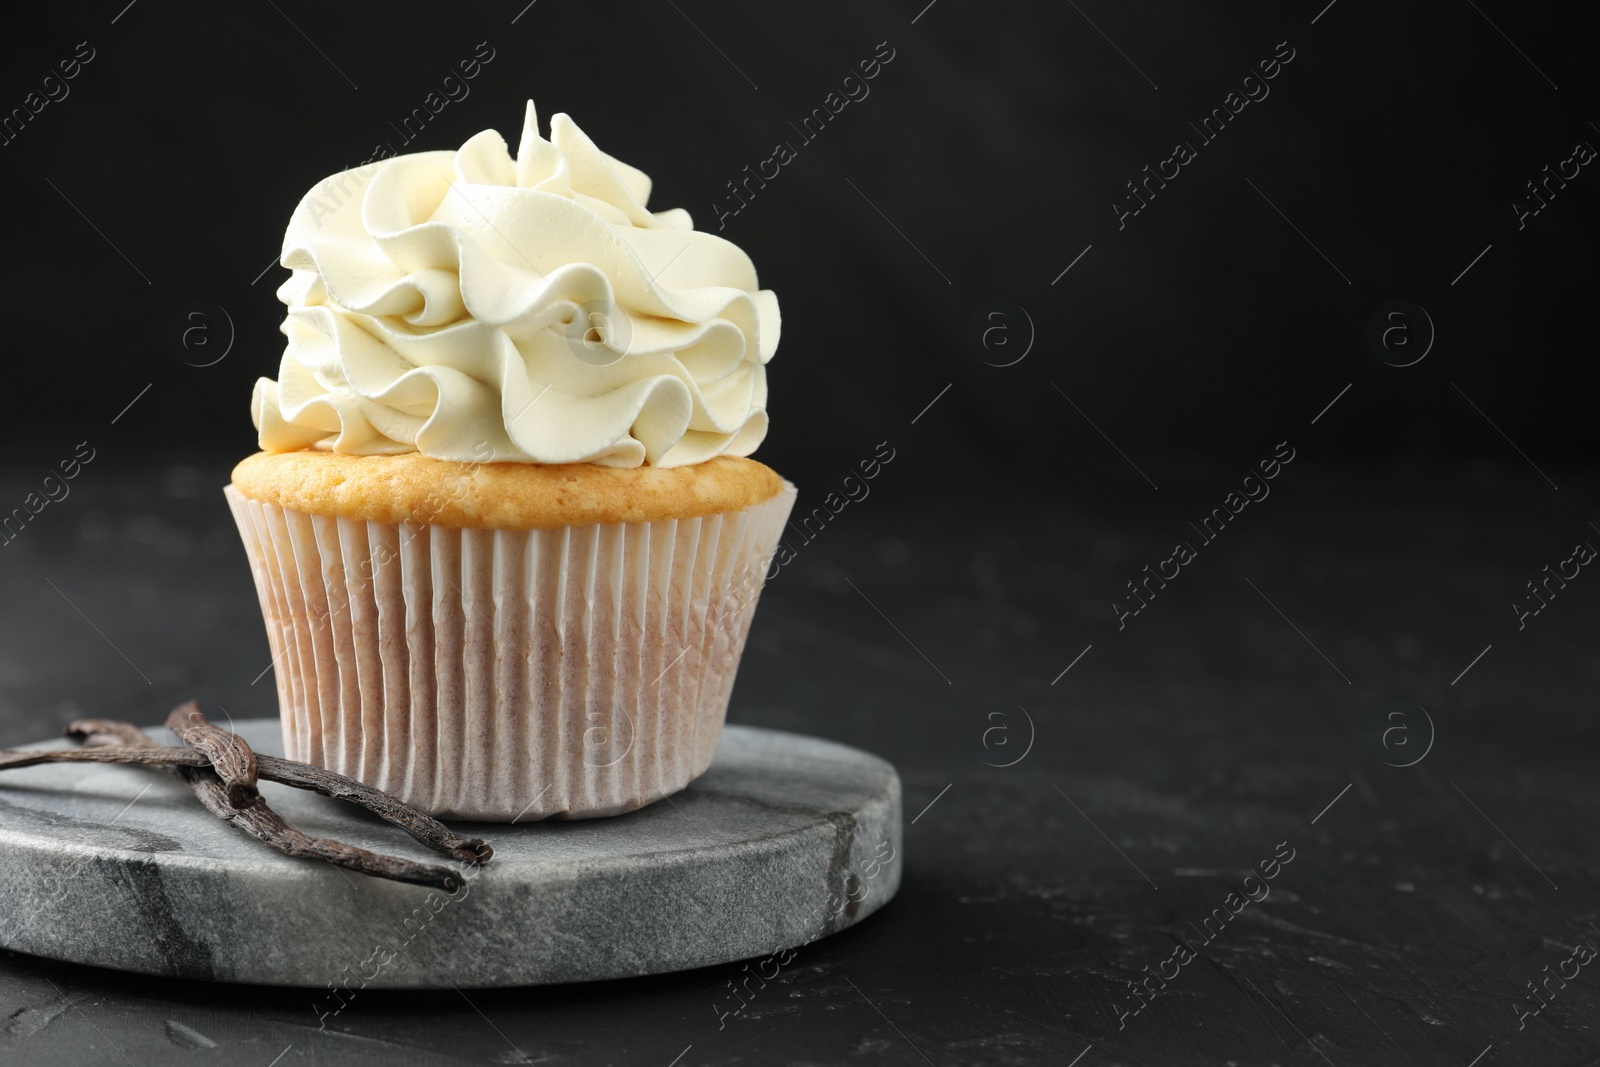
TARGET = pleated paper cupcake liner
(508,675)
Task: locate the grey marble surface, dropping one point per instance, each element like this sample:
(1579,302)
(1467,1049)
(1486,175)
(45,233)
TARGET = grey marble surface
(784,840)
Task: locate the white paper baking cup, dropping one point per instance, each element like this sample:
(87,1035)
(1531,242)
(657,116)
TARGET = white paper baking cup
(508,675)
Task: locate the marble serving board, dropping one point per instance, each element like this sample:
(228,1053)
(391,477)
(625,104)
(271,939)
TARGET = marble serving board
(784,840)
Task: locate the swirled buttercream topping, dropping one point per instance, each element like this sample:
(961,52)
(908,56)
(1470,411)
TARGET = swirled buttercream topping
(475,307)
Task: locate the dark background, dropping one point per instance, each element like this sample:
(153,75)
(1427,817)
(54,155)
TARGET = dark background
(996,141)
(979,576)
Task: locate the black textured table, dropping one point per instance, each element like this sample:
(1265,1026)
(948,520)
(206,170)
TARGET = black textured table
(1211,795)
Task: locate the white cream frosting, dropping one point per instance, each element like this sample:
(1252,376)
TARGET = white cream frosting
(475,307)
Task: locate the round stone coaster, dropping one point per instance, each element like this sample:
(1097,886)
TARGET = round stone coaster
(784,840)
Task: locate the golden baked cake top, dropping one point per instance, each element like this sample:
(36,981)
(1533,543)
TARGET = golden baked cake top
(411,487)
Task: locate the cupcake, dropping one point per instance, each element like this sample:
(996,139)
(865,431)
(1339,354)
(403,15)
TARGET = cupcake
(503,524)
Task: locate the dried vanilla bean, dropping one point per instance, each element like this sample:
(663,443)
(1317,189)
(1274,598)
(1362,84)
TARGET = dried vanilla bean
(160,758)
(231,758)
(268,827)
(426,829)
(101,732)
(110,741)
